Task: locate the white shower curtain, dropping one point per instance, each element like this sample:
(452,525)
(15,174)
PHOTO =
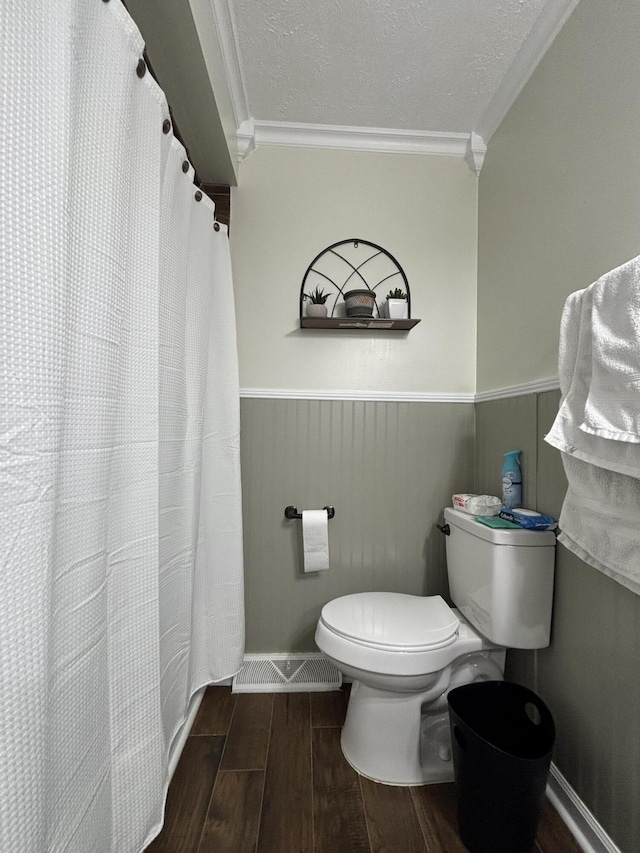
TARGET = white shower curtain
(120,518)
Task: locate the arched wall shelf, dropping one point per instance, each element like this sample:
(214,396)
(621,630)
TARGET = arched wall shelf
(348,265)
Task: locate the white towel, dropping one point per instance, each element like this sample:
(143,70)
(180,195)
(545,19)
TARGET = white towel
(612,408)
(599,520)
(574,370)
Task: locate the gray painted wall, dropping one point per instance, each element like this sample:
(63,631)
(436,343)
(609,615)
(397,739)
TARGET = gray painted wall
(590,674)
(388,468)
(559,205)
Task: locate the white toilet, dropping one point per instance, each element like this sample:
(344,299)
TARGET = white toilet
(405,652)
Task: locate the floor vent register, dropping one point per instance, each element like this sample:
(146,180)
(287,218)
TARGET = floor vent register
(286,674)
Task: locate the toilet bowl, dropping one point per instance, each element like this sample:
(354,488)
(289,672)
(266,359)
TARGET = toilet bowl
(404,653)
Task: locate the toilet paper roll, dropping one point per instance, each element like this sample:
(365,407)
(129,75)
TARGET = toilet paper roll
(315,537)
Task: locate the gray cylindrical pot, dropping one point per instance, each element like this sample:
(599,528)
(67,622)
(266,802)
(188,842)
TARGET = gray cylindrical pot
(359,303)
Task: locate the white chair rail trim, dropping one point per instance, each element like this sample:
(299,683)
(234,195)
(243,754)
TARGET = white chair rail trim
(373,396)
(401,396)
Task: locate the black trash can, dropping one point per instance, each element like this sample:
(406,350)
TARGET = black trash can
(502,736)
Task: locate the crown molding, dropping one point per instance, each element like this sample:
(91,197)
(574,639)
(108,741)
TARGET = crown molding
(252,132)
(551,20)
(226,30)
(471,146)
(342,138)
(246,138)
(475,152)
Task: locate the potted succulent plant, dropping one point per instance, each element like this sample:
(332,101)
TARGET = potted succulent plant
(316,303)
(397,304)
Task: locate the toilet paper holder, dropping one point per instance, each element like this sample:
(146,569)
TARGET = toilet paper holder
(292,512)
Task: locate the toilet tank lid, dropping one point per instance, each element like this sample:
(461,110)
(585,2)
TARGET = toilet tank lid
(496,535)
(392,620)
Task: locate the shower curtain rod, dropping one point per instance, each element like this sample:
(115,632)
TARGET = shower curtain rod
(220,194)
(221,191)
(174,124)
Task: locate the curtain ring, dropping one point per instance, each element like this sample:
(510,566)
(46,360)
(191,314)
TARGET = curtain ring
(141,68)
(166,124)
(185,166)
(216,226)
(198,196)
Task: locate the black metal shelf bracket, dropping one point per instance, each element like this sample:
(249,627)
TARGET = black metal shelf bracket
(351,264)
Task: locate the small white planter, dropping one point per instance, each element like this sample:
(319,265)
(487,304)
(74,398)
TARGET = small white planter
(397,309)
(316,309)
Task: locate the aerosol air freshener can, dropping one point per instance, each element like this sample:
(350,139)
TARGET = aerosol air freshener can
(512,479)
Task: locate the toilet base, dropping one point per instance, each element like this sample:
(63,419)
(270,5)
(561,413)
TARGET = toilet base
(381,738)
(403,738)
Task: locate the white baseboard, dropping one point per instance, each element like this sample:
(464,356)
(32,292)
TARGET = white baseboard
(581,823)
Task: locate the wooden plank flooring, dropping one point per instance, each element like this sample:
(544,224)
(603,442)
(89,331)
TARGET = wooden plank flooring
(264,773)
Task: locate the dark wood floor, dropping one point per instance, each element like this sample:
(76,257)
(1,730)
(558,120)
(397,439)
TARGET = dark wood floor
(264,773)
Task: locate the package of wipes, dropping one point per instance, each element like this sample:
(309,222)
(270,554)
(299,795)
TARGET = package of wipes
(529,519)
(477,504)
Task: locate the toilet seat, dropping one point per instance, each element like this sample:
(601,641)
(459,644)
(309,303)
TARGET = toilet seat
(391,621)
(392,634)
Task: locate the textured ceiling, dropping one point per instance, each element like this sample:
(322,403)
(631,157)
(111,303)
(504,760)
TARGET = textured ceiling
(429,65)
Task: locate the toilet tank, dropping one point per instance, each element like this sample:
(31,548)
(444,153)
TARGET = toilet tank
(502,580)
